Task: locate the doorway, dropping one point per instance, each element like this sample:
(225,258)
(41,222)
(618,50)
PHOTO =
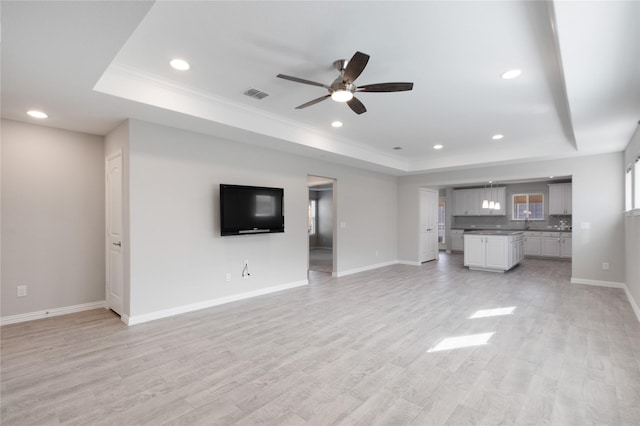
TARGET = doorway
(321,214)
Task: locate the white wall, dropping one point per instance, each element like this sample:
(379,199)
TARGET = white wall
(52,218)
(177,255)
(597,203)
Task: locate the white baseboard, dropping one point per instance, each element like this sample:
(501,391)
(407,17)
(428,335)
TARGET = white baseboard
(632,302)
(597,283)
(151,316)
(54,312)
(364,268)
(408,262)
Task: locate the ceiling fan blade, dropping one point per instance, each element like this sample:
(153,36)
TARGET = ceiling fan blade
(302,80)
(313,102)
(385,87)
(356,106)
(355,66)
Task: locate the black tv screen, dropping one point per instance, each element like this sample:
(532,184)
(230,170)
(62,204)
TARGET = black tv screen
(250,210)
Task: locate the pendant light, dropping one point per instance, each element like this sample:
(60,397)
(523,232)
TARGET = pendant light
(489,203)
(485,202)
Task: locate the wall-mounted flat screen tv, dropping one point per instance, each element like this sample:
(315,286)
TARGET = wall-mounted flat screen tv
(251,210)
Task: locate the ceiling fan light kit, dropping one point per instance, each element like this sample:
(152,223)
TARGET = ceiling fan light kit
(342,95)
(343,88)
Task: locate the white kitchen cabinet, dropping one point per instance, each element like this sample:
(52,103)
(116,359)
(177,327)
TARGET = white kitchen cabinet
(468,202)
(457,240)
(551,244)
(474,251)
(491,252)
(532,244)
(560,195)
(517,250)
(565,245)
(459,204)
(547,244)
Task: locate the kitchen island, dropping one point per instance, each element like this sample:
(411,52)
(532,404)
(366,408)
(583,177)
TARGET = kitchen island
(494,251)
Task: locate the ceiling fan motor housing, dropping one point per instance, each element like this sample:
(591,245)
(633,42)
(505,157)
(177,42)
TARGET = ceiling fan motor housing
(339,85)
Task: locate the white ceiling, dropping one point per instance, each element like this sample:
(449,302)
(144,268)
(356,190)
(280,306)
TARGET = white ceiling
(90,65)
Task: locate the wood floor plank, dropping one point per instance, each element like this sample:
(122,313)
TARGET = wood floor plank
(356,350)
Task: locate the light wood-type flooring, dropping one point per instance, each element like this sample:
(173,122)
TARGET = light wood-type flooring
(357,350)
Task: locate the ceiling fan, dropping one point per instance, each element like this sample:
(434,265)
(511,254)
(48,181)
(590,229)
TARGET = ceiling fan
(343,89)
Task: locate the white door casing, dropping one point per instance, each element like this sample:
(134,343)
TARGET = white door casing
(113,216)
(428,225)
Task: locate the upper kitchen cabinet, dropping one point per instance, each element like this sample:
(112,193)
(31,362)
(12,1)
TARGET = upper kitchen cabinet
(560,199)
(497,195)
(466,202)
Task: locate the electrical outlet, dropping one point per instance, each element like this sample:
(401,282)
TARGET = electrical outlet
(605,266)
(228,277)
(377,252)
(21,291)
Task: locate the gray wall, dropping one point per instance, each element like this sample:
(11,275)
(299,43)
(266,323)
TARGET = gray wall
(177,255)
(52,218)
(598,229)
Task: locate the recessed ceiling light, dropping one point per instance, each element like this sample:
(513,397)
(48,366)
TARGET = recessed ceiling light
(180,64)
(337,124)
(497,137)
(438,146)
(37,114)
(511,74)
(550,177)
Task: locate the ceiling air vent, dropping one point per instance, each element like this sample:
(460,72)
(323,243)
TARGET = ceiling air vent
(255,93)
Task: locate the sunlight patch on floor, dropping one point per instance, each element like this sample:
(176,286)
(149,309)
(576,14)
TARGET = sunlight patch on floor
(462,342)
(483,313)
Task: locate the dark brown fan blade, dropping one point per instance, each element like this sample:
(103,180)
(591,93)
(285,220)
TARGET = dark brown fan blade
(302,80)
(355,66)
(356,106)
(385,87)
(313,102)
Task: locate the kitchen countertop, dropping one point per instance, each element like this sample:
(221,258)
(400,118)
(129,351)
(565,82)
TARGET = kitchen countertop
(494,232)
(513,229)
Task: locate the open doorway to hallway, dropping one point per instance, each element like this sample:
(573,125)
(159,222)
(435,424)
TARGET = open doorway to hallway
(321,223)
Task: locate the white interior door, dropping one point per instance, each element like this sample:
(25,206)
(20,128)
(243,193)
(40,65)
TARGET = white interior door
(114,232)
(428,225)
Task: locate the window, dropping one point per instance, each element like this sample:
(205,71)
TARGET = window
(528,206)
(312,217)
(441,221)
(628,189)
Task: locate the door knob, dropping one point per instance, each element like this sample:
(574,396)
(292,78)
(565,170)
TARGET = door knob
(119,244)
